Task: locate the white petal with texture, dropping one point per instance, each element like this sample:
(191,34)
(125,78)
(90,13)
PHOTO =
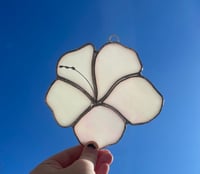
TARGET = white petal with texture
(136,99)
(113,62)
(66,102)
(81,60)
(100,125)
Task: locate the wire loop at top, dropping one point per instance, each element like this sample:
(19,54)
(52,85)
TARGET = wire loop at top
(113,38)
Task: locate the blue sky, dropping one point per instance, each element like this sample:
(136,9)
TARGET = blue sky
(166,35)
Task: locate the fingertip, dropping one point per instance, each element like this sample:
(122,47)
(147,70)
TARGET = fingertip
(105,156)
(90,152)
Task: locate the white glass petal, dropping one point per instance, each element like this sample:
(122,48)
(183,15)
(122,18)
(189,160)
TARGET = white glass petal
(113,62)
(79,64)
(66,102)
(100,125)
(136,99)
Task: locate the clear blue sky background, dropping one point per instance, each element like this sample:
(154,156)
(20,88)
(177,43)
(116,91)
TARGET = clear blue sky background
(166,34)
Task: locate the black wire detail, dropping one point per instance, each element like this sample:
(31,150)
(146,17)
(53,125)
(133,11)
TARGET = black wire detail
(74,69)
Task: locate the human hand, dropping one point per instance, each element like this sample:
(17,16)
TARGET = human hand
(77,160)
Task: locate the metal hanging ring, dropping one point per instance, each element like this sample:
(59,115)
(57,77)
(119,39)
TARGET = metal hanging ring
(113,38)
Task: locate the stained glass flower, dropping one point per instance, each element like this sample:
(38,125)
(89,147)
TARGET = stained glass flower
(99,92)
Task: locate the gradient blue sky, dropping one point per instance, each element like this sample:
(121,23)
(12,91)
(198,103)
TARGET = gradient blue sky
(166,34)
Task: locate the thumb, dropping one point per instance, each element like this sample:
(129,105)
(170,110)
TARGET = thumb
(90,153)
(87,161)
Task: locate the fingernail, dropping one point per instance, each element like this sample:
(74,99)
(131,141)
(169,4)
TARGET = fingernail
(91,146)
